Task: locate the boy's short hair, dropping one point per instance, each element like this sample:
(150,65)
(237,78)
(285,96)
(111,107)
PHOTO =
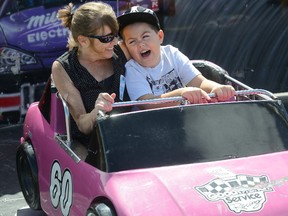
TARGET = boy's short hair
(138,14)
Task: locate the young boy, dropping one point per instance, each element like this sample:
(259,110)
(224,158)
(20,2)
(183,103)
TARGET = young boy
(157,71)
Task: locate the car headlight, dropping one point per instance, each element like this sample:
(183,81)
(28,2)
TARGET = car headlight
(11,60)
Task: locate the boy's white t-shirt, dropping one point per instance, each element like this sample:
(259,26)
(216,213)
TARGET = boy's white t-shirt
(174,71)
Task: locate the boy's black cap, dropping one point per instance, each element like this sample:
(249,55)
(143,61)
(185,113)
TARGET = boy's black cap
(138,14)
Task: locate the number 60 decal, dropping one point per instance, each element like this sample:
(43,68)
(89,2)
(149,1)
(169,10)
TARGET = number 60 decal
(61,188)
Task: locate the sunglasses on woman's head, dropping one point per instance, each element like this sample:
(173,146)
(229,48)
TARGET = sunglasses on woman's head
(103,39)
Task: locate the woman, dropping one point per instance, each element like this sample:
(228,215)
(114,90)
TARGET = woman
(90,76)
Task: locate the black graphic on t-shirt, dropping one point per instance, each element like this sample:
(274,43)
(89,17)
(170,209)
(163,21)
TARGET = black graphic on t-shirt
(167,83)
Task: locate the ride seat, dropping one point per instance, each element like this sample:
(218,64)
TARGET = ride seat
(57,114)
(211,71)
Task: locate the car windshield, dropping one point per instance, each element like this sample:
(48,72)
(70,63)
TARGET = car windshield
(193,134)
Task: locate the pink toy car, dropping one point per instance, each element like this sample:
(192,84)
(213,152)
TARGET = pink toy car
(226,158)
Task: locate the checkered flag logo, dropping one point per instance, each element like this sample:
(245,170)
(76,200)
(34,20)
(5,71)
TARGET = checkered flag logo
(218,188)
(214,187)
(241,193)
(252,181)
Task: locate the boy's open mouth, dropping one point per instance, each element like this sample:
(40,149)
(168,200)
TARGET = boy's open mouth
(145,53)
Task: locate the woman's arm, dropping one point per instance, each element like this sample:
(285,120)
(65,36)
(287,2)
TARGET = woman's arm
(85,121)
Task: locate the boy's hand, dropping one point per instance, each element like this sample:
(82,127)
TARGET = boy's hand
(223,92)
(195,95)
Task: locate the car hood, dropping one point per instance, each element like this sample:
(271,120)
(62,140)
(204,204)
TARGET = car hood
(249,185)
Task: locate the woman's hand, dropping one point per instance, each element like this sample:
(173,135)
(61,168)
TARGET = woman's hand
(104,102)
(223,92)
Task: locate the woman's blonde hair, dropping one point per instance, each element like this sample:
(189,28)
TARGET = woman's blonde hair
(87,19)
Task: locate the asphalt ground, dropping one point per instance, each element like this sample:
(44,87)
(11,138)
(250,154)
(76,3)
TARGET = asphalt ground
(12,201)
